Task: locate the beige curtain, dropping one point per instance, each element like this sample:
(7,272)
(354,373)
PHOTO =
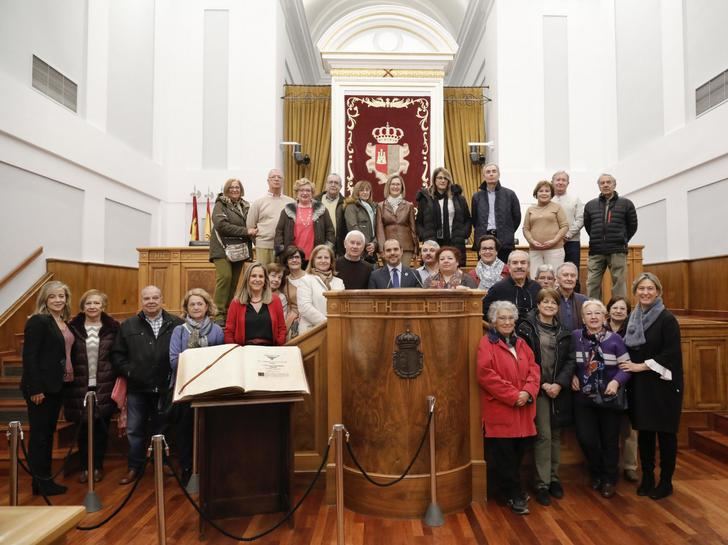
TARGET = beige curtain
(307,119)
(464,122)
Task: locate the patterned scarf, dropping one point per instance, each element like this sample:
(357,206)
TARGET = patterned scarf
(442,216)
(394,202)
(640,321)
(594,366)
(198,331)
(437,280)
(488,274)
(370,210)
(325,276)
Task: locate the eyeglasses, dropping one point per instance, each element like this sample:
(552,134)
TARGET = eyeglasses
(488,249)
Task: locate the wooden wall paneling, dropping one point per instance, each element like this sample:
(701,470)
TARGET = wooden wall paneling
(708,286)
(675,285)
(708,370)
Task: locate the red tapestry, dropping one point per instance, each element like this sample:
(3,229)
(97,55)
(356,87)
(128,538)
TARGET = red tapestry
(387,135)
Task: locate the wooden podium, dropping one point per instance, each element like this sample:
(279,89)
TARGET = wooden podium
(245,455)
(386,414)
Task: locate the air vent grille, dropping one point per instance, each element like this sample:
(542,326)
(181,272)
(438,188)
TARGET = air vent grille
(712,93)
(55,85)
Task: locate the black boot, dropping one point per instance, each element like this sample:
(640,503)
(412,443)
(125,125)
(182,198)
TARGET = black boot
(647,485)
(662,490)
(48,488)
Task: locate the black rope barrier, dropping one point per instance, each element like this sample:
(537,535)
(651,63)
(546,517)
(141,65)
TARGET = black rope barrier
(66,458)
(269,530)
(406,471)
(121,505)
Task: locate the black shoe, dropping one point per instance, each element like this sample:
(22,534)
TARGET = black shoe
(556,490)
(48,488)
(542,496)
(647,485)
(83,477)
(185,476)
(519,506)
(662,490)
(596,483)
(608,490)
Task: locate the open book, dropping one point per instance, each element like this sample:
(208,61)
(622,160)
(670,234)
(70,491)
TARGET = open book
(231,369)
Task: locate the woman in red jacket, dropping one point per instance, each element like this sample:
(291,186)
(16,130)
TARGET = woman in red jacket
(509,378)
(255,316)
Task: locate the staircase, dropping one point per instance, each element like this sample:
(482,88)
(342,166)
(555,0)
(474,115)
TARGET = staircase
(712,441)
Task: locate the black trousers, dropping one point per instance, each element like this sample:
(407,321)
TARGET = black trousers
(668,452)
(101,439)
(43,419)
(597,431)
(184,429)
(504,456)
(572,254)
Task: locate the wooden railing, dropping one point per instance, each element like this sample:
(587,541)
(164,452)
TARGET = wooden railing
(20,267)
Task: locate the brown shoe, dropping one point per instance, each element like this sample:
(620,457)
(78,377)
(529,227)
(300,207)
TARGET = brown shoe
(83,477)
(608,490)
(130,477)
(631,475)
(98,475)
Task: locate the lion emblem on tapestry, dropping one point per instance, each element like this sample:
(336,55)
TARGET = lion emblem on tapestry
(385,136)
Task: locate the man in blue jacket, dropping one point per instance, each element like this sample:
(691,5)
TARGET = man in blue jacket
(611,222)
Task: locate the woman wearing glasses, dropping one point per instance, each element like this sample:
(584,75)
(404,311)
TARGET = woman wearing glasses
(489,269)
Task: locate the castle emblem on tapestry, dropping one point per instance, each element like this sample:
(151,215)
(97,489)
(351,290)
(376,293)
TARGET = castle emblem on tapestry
(385,136)
(387,156)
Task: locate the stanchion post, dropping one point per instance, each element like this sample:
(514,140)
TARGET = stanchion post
(14,432)
(193,485)
(433,515)
(91,502)
(339,430)
(158,449)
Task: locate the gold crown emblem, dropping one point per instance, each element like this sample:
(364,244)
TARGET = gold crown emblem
(387,135)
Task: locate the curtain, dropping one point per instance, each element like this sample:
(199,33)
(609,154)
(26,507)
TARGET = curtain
(307,119)
(464,122)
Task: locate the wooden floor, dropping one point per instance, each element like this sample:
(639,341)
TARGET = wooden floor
(696,514)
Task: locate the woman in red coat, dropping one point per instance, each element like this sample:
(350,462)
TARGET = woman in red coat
(256,316)
(509,378)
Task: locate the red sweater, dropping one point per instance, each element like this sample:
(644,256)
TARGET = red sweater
(235,325)
(501,377)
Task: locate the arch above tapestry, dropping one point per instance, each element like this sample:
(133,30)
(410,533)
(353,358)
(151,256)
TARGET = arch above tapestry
(387,65)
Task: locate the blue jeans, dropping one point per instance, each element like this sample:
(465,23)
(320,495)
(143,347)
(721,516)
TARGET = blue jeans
(142,407)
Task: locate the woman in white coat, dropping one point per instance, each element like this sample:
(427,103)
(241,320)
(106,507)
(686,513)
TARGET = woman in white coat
(321,277)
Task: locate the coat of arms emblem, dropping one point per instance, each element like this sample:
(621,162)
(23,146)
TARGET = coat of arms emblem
(387,156)
(407,361)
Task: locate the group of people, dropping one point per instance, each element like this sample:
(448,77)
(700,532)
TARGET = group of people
(551,358)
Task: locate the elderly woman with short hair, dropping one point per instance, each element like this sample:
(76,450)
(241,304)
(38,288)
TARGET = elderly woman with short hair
(229,217)
(449,275)
(305,223)
(321,277)
(597,382)
(545,276)
(544,227)
(509,379)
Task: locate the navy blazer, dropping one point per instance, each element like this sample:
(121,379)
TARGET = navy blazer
(381,279)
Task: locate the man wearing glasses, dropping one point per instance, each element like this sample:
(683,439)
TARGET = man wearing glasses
(333,200)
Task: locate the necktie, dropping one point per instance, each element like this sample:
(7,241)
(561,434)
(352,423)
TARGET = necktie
(395,278)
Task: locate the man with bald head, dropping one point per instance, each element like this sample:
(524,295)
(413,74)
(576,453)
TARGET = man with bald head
(264,214)
(141,354)
(517,288)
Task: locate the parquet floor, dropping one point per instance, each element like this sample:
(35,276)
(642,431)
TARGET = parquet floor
(696,514)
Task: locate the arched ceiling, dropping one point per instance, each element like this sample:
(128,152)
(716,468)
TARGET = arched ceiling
(307,20)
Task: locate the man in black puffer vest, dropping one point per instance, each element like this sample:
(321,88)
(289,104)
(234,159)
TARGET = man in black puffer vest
(611,222)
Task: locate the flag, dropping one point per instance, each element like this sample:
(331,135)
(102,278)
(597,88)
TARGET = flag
(194,229)
(208,221)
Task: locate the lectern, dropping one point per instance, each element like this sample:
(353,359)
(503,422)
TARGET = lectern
(388,350)
(245,455)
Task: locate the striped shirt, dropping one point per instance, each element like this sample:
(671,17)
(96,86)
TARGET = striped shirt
(92,352)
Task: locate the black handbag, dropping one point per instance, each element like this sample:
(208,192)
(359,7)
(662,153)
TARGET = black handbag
(617,402)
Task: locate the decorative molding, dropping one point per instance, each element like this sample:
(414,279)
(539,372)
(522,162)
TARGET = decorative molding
(385,73)
(304,51)
(468,39)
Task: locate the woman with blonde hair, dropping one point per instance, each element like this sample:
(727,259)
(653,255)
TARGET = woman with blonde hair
(360,214)
(256,315)
(199,330)
(47,365)
(321,277)
(443,214)
(230,242)
(94,333)
(305,223)
(396,219)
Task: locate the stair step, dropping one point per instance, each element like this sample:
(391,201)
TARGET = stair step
(720,423)
(63,438)
(710,442)
(12,368)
